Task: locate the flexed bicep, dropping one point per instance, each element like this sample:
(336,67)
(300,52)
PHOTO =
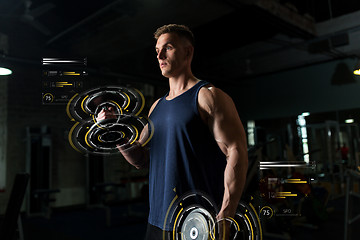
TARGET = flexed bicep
(222,118)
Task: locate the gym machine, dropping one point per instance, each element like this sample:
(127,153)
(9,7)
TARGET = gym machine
(325,136)
(351,177)
(39,165)
(12,219)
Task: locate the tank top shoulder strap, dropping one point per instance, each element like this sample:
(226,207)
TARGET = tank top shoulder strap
(197,88)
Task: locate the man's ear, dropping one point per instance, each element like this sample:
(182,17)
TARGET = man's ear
(189,51)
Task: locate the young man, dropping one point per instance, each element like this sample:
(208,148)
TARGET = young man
(199,142)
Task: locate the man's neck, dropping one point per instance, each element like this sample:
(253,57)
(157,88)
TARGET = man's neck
(181,84)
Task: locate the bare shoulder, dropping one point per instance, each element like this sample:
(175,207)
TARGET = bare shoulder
(210,98)
(153,106)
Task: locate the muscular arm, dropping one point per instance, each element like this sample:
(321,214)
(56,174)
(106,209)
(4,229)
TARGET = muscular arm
(218,111)
(135,153)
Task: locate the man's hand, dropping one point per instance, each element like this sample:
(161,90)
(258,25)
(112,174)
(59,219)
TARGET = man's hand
(106,114)
(223,225)
(134,153)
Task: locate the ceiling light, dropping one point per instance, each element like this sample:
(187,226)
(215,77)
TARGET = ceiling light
(5,71)
(305,114)
(350,120)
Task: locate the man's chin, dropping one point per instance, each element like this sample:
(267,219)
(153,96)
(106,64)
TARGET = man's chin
(166,74)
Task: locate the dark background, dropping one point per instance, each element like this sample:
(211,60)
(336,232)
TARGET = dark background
(276,59)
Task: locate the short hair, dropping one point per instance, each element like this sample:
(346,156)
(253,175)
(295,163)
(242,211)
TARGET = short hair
(180,30)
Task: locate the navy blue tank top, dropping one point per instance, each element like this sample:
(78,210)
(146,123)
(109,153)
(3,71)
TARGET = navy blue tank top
(183,155)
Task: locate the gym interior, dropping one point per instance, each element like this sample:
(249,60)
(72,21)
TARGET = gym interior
(291,67)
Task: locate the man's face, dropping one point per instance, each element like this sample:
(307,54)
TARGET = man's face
(172,54)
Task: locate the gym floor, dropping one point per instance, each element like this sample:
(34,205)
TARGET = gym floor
(90,224)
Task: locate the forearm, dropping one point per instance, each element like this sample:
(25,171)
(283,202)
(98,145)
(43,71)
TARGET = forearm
(234,181)
(136,155)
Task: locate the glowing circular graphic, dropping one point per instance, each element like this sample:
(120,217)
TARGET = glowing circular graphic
(196,225)
(48,98)
(193,216)
(266,212)
(248,222)
(124,125)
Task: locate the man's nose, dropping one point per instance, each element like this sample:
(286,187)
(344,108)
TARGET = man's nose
(161,54)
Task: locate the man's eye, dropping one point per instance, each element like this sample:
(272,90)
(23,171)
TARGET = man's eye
(168,48)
